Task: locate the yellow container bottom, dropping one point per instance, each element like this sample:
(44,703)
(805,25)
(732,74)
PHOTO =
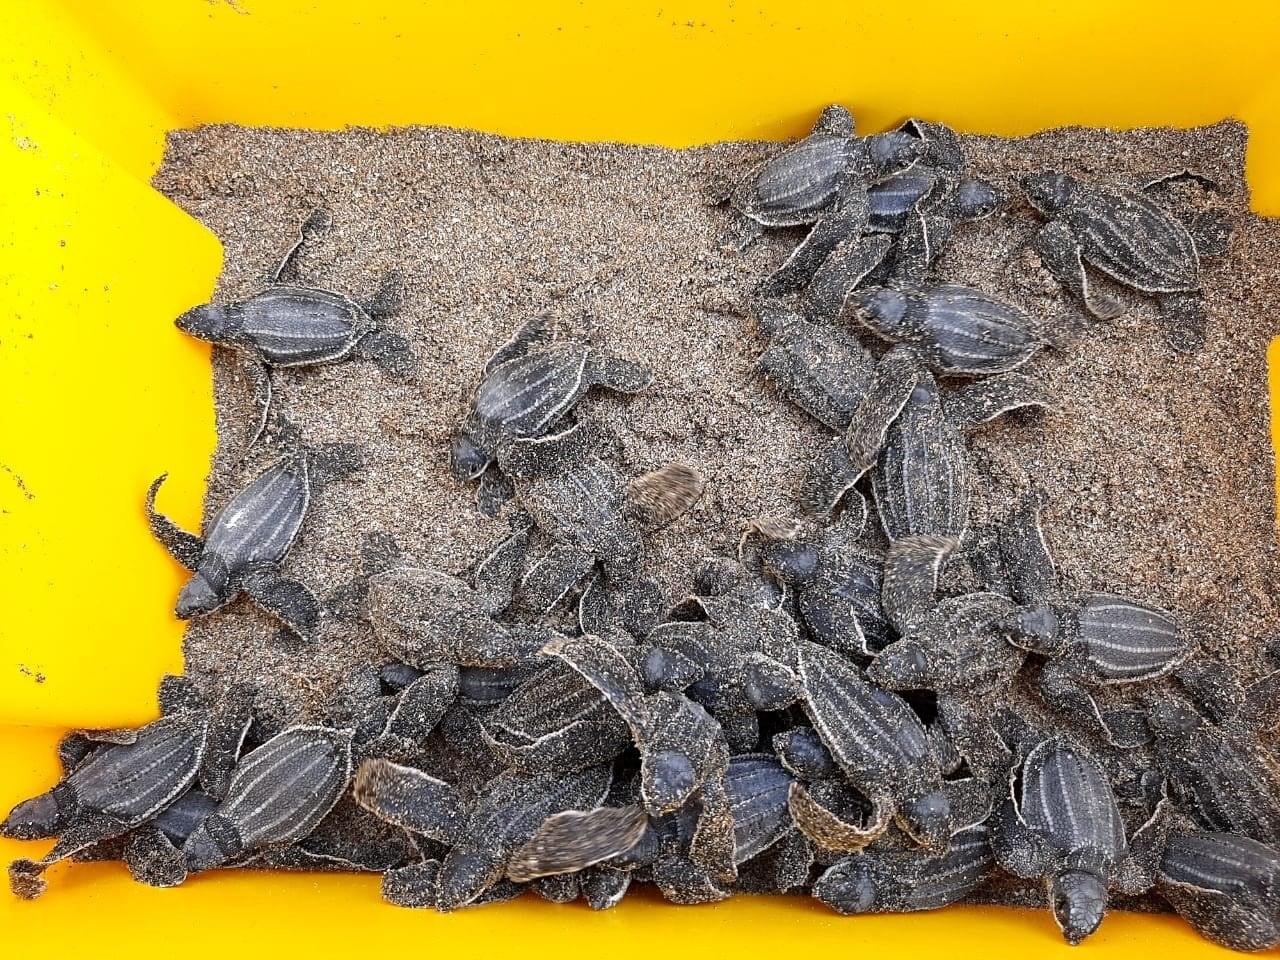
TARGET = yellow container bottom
(99,393)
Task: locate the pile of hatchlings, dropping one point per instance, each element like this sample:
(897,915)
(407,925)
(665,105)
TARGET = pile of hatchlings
(764,734)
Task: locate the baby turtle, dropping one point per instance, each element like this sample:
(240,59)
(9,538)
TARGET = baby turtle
(952,328)
(296,326)
(1061,825)
(117,788)
(813,177)
(1099,639)
(528,387)
(1130,238)
(278,794)
(1226,886)
(250,537)
(903,881)
(886,754)
(758,788)
(955,646)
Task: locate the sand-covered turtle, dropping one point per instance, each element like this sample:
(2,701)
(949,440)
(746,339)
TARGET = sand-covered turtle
(1224,885)
(910,435)
(836,581)
(886,755)
(954,329)
(891,880)
(593,515)
(1061,824)
(955,646)
(1094,640)
(529,386)
(278,794)
(1128,236)
(251,535)
(814,176)
(288,325)
(117,787)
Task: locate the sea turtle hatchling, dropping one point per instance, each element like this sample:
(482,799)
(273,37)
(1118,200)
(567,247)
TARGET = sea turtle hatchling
(528,387)
(888,880)
(1061,824)
(118,787)
(294,326)
(1130,238)
(1226,886)
(250,537)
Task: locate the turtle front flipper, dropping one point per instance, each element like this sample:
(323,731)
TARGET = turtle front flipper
(920,242)
(831,475)
(985,400)
(573,840)
(532,333)
(227,730)
(825,813)
(1183,321)
(847,219)
(1064,695)
(316,225)
(558,571)
(184,547)
(1136,872)
(496,578)
(388,299)
(152,858)
(409,798)
(258,377)
(975,738)
(852,262)
(1060,253)
(1017,848)
(287,600)
(616,373)
(662,496)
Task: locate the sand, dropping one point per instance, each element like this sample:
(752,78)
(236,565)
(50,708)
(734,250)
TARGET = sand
(1157,466)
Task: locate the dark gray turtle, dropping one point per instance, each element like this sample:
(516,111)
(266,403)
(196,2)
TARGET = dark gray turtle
(885,753)
(746,653)
(952,328)
(294,326)
(1226,886)
(1061,825)
(1220,776)
(911,437)
(955,646)
(556,722)
(815,176)
(1130,238)
(1095,640)
(835,581)
(116,788)
(278,794)
(888,880)
(758,788)
(573,840)
(250,537)
(529,386)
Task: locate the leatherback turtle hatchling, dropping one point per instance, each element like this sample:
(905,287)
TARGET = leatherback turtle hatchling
(811,178)
(278,794)
(1226,886)
(250,537)
(1098,639)
(293,326)
(529,386)
(892,880)
(1130,238)
(1061,824)
(952,328)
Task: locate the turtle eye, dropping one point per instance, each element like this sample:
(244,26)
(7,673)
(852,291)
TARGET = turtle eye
(466,459)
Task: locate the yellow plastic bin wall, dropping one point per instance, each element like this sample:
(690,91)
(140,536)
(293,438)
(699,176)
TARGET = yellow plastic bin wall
(99,393)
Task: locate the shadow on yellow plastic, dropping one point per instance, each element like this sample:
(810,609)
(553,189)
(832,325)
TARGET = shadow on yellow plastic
(99,394)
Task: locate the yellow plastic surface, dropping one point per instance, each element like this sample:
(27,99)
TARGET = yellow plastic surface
(99,393)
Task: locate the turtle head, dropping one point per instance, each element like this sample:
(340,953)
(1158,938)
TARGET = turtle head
(893,152)
(903,665)
(1048,192)
(198,596)
(977,200)
(212,843)
(1079,903)
(37,818)
(927,820)
(466,459)
(790,561)
(856,891)
(669,778)
(883,310)
(1036,629)
(207,321)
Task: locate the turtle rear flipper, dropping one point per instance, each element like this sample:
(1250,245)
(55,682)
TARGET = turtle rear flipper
(287,600)
(1017,848)
(388,299)
(616,373)
(227,730)
(1060,253)
(558,571)
(184,547)
(831,475)
(1183,321)
(1136,872)
(987,399)
(970,800)
(391,352)
(258,377)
